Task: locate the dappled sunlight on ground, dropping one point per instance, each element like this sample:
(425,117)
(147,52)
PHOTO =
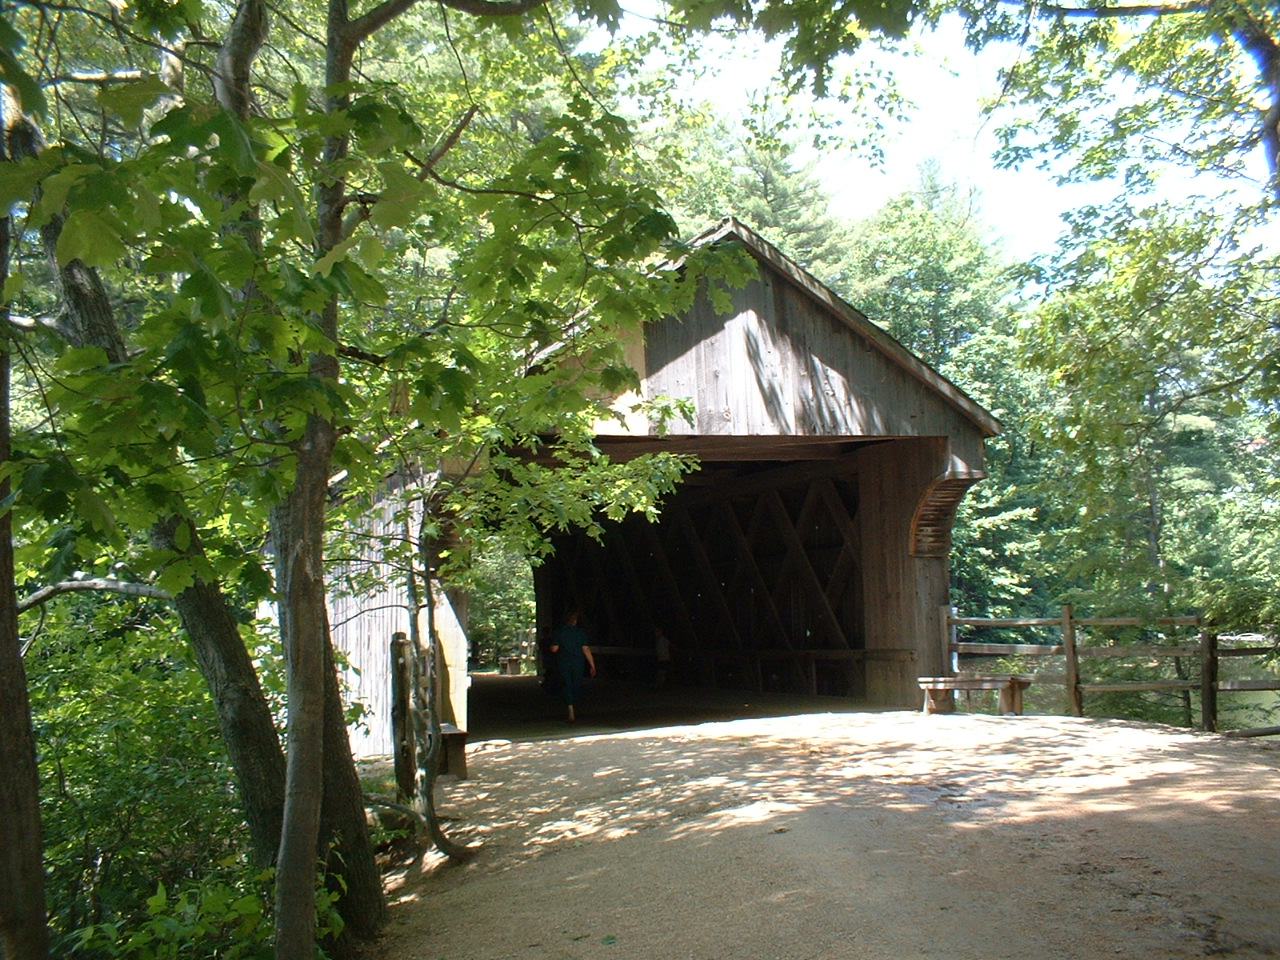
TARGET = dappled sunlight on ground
(913,832)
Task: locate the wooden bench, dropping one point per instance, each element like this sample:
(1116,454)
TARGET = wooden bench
(453,751)
(938,691)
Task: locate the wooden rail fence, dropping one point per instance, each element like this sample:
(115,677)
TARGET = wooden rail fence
(1204,649)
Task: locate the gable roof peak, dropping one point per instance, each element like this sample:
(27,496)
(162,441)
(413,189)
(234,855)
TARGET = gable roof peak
(731,229)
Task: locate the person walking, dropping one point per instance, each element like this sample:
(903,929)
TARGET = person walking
(574,658)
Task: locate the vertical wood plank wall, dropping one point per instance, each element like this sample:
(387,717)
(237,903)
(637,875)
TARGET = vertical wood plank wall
(778,365)
(904,591)
(363,625)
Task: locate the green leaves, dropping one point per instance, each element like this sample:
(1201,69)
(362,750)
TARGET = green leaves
(90,237)
(129,101)
(1118,97)
(815,33)
(1154,335)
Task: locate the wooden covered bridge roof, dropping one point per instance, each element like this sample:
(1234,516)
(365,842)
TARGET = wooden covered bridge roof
(791,361)
(810,550)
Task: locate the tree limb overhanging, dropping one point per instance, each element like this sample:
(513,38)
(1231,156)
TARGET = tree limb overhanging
(95,584)
(1253,36)
(448,143)
(88,319)
(1094,13)
(1265,51)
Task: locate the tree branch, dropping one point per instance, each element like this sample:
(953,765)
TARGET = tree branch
(233,71)
(1266,53)
(366,26)
(1139,10)
(448,143)
(489,8)
(101,77)
(103,584)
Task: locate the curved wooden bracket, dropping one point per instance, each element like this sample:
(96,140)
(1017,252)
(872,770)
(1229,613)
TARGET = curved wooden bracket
(936,513)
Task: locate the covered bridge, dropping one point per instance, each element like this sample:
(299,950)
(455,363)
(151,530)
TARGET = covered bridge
(810,552)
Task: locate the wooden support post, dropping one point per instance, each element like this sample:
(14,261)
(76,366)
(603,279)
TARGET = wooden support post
(945,631)
(1075,702)
(402,738)
(1209,681)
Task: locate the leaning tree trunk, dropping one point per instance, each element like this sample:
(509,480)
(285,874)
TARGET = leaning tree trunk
(244,717)
(298,536)
(351,868)
(24,932)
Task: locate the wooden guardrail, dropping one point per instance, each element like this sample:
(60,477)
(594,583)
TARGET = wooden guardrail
(1205,650)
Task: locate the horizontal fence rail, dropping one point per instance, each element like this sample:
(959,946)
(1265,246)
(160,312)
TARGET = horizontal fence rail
(1204,650)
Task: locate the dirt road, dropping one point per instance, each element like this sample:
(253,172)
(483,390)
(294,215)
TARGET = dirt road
(861,835)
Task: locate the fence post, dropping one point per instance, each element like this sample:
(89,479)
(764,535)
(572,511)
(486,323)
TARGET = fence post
(945,614)
(402,737)
(1072,674)
(1209,680)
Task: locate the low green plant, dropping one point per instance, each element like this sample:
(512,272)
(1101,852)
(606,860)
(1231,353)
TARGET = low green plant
(137,795)
(218,919)
(215,920)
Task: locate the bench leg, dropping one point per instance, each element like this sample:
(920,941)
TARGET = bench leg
(939,701)
(1011,699)
(453,758)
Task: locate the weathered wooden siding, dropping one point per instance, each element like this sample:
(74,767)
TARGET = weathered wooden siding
(813,557)
(908,589)
(778,364)
(363,624)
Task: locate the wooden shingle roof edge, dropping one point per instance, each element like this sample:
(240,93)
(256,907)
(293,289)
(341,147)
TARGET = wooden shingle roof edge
(732,229)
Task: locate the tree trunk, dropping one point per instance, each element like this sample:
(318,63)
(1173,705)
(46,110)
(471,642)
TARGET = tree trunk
(343,821)
(298,535)
(24,932)
(244,716)
(320,769)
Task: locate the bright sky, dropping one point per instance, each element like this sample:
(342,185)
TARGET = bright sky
(947,85)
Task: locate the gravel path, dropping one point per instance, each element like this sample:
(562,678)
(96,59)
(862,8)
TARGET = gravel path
(877,836)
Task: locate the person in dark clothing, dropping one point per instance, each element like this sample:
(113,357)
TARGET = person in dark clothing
(574,658)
